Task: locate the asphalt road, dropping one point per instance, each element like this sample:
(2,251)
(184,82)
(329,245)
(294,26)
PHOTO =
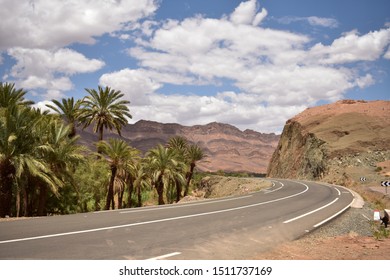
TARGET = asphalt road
(229,228)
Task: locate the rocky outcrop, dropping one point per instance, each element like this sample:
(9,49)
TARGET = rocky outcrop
(338,143)
(227,148)
(299,154)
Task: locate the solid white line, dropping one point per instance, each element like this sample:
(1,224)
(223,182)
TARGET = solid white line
(154,221)
(311,212)
(331,217)
(183,205)
(164,256)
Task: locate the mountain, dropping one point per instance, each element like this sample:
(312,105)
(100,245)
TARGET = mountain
(339,143)
(227,148)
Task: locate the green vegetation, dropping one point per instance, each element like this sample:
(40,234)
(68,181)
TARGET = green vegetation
(45,171)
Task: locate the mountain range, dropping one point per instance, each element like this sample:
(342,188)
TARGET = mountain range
(227,148)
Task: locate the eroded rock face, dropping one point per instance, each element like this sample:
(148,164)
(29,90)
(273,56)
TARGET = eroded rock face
(339,142)
(227,148)
(299,154)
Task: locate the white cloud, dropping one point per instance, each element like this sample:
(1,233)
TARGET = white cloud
(135,84)
(352,48)
(324,22)
(57,23)
(247,13)
(312,20)
(387,54)
(49,70)
(241,110)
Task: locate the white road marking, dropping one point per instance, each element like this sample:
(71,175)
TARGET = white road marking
(331,217)
(180,206)
(154,221)
(311,212)
(164,256)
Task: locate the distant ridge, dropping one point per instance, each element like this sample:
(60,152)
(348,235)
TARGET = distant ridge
(227,148)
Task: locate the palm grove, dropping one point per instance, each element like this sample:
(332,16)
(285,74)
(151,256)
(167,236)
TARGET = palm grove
(44,170)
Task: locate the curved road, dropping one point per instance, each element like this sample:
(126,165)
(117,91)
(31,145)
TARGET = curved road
(229,228)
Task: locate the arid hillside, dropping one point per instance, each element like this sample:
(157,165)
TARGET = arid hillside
(227,148)
(339,143)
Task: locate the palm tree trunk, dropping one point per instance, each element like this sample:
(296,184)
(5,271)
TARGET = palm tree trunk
(42,200)
(178,190)
(131,189)
(189,177)
(100,139)
(110,193)
(160,190)
(120,198)
(139,195)
(6,174)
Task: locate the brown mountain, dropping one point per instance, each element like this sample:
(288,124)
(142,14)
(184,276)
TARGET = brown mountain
(340,142)
(227,148)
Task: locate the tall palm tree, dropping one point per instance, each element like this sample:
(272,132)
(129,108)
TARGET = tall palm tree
(11,96)
(194,154)
(164,165)
(69,110)
(180,145)
(105,109)
(118,153)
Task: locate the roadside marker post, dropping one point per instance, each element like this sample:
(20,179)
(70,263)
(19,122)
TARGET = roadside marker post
(385,184)
(377,215)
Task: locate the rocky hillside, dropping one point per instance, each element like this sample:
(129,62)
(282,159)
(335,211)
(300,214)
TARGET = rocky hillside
(227,148)
(338,143)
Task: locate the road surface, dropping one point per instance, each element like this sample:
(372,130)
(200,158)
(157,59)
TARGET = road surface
(228,228)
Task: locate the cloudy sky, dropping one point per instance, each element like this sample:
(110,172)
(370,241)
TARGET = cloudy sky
(252,64)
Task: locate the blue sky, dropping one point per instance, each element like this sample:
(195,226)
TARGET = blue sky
(252,64)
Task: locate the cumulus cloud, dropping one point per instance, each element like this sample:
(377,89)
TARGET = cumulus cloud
(49,70)
(241,110)
(57,23)
(135,84)
(247,13)
(351,47)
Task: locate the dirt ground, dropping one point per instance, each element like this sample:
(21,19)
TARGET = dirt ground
(345,247)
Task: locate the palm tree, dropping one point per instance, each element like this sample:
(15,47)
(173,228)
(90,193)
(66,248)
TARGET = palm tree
(19,150)
(164,165)
(118,153)
(69,110)
(11,96)
(105,109)
(194,154)
(62,155)
(180,145)
(141,180)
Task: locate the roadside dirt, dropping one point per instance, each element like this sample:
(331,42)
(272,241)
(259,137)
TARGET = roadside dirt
(345,247)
